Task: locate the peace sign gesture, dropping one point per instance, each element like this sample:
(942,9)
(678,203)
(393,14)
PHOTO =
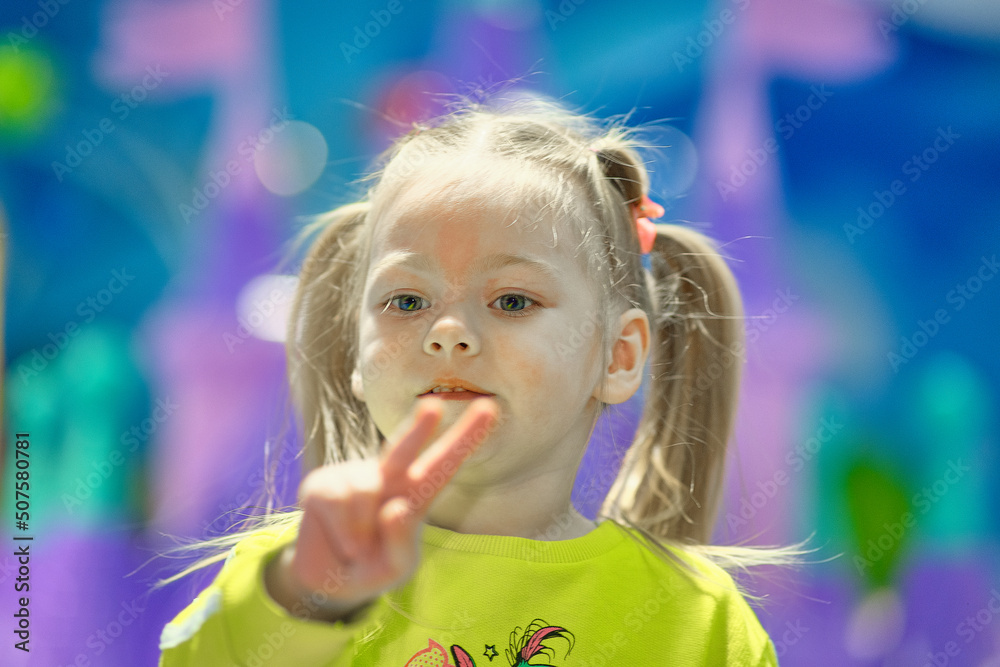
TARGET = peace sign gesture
(361,521)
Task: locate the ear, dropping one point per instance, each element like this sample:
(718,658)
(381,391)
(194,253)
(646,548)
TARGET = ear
(357,386)
(628,358)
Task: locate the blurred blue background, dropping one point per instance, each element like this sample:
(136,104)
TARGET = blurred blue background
(157,155)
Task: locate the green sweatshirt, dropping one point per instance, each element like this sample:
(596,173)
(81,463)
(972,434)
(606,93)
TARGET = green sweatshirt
(601,599)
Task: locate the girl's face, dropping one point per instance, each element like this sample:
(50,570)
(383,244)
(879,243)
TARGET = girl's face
(469,293)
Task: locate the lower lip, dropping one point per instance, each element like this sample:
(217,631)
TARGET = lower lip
(456,395)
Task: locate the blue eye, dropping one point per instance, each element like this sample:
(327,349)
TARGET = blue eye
(408,301)
(513,300)
(513,305)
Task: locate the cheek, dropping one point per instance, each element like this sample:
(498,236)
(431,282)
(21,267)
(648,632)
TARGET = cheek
(532,365)
(391,331)
(534,374)
(383,351)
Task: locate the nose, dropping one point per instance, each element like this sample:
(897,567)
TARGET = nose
(448,336)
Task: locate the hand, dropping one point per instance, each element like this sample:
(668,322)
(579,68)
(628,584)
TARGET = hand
(360,530)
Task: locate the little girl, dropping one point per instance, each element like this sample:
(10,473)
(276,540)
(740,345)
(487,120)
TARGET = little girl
(454,338)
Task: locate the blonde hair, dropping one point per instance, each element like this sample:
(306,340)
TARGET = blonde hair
(587,174)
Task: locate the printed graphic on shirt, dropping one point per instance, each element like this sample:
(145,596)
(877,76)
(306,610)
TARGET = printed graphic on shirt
(524,645)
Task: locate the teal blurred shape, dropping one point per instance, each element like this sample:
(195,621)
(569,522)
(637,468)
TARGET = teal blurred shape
(949,407)
(77,404)
(950,400)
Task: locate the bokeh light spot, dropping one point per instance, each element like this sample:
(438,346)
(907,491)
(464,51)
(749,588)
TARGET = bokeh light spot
(293,160)
(263,306)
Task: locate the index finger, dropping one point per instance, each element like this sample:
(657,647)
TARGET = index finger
(410,437)
(441,461)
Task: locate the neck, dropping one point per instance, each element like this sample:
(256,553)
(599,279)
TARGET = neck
(506,510)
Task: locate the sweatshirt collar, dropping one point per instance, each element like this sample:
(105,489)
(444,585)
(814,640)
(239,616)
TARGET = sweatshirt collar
(604,537)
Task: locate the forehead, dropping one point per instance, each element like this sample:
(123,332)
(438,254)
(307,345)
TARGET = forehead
(455,218)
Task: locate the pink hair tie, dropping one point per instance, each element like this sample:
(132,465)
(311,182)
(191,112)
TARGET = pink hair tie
(641,213)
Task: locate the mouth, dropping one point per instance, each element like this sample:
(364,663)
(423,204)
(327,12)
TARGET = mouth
(455,394)
(452,389)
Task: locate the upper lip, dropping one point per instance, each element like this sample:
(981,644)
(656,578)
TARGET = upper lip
(455,383)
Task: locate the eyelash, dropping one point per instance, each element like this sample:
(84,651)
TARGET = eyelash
(533,305)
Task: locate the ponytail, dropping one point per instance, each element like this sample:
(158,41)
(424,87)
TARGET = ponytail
(671,478)
(670,484)
(323,318)
(322,340)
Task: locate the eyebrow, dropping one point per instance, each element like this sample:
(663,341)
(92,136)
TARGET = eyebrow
(487,264)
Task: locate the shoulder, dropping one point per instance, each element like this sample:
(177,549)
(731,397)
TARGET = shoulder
(710,598)
(676,557)
(669,557)
(263,539)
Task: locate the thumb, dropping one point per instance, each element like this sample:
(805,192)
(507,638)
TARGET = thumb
(400,526)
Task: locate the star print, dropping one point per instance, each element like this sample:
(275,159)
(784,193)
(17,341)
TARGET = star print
(491,651)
